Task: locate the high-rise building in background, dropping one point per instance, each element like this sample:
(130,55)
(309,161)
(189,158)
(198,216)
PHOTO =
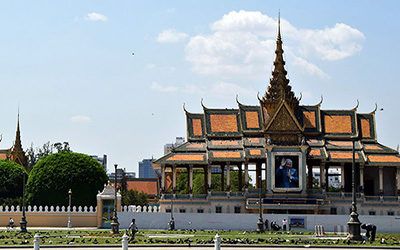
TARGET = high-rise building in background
(120,174)
(101,160)
(169,146)
(146,169)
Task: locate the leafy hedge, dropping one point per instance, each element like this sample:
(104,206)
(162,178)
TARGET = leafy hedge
(52,177)
(11,178)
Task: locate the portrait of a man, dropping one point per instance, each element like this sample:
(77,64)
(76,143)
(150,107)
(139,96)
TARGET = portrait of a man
(286,172)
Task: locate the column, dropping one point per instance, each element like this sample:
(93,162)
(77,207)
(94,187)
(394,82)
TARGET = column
(362,179)
(190,179)
(380,180)
(222,177)
(326,178)
(162,178)
(258,175)
(398,180)
(228,176)
(240,177)
(342,178)
(209,177)
(246,175)
(205,171)
(173,179)
(309,176)
(322,175)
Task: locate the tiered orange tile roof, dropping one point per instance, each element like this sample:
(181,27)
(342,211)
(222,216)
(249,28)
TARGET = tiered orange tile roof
(252,119)
(337,124)
(309,119)
(197,128)
(223,123)
(384,158)
(186,157)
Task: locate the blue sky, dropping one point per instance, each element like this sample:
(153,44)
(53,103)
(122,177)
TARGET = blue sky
(69,66)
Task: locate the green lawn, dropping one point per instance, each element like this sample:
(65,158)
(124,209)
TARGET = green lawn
(104,237)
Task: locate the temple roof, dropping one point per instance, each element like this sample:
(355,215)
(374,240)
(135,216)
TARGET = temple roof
(243,133)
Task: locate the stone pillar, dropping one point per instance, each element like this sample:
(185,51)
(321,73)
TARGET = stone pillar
(228,176)
(342,178)
(173,168)
(209,178)
(205,171)
(380,180)
(398,180)
(326,178)
(163,178)
(258,175)
(190,179)
(309,176)
(222,177)
(362,179)
(246,176)
(322,176)
(240,177)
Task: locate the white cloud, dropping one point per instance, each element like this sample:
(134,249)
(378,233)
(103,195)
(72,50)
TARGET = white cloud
(81,119)
(171,36)
(96,17)
(242,43)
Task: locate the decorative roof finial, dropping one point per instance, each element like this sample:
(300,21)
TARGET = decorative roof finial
(237,99)
(356,107)
(320,102)
(202,104)
(279,24)
(301,96)
(376,108)
(184,108)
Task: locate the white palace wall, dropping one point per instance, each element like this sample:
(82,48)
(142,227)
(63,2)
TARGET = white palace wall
(150,217)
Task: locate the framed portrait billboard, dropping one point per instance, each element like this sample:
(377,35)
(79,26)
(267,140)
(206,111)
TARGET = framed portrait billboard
(287,171)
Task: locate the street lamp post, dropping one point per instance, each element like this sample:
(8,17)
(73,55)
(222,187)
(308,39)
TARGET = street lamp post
(171,223)
(23,221)
(354,223)
(260,222)
(69,225)
(115,223)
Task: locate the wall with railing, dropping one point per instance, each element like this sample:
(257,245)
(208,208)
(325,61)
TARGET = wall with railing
(50,216)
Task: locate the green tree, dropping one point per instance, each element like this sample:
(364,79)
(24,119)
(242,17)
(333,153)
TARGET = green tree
(133,197)
(11,179)
(35,154)
(52,177)
(198,182)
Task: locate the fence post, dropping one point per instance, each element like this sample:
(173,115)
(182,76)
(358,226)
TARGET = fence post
(125,242)
(36,242)
(217,242)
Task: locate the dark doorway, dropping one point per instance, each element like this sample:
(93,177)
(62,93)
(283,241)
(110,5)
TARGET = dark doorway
(369,187)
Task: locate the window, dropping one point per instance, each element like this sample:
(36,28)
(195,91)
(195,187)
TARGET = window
(218,209)
(168,210)
(200,211)
(182,210)
(237,210)
(372,213)
(390,213)
(333,210)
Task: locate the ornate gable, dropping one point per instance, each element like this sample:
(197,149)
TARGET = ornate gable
(284,128)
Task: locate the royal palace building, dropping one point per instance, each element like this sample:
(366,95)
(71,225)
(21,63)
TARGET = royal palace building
(283,143)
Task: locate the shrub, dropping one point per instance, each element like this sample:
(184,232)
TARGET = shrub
(11,178)
(52,177)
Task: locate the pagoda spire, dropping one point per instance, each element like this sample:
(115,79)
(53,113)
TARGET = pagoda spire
(17,152)
(279,88)
(17,143)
